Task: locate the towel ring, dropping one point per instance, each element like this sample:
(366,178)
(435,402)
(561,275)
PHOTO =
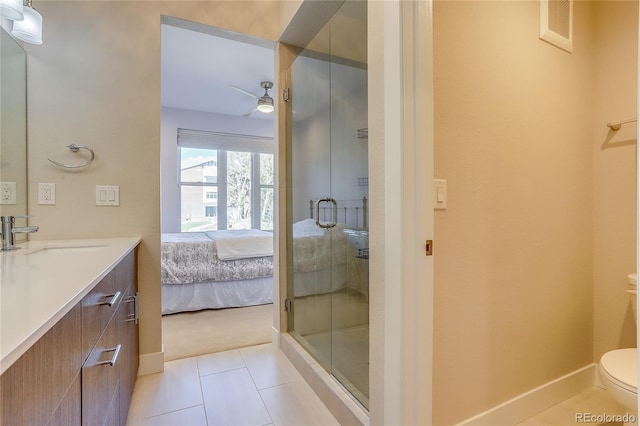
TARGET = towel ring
(75,148)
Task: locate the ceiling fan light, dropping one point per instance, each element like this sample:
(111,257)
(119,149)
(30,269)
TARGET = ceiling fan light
(12,9)
(30,28)
(265,108)
(265,105)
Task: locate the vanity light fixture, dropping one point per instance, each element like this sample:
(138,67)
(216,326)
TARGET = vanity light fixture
(30,28)
(12,9)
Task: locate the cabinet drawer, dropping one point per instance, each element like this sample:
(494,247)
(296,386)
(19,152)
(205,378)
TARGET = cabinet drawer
(98,308)
(100,376)
(126,272)
(33,386)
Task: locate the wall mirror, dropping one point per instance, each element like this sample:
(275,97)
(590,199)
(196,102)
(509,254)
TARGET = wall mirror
(13,127)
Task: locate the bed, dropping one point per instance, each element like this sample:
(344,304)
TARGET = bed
(195,276)
(234,268)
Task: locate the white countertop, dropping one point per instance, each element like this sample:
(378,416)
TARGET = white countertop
(42,281)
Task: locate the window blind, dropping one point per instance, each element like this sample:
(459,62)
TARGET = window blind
(225,141)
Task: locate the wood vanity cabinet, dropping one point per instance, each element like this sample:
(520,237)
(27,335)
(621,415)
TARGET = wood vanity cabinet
(67,377)
(128,326)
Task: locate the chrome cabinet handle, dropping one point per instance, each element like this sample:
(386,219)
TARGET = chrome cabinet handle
(113,300)
(114,357)
(334,212)
(134,316)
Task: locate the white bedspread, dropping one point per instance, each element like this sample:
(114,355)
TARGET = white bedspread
(193,257)
(315,249)
(242,243)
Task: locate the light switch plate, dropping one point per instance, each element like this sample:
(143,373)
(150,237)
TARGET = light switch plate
(8,193)
(107,195)
(439,194)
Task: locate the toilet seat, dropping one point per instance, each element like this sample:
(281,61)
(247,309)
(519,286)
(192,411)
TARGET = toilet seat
(621,368)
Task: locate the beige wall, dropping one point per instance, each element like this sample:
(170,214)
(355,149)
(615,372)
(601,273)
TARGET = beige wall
(286,12)
(614,183)
(96,81)
(513,266)
(535,203)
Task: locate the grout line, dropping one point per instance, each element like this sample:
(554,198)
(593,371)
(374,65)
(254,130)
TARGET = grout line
(204,405)
(260,395)
(174,411)
(263,403)
(223,371)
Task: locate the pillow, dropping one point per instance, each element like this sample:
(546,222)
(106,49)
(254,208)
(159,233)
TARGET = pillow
(307,228)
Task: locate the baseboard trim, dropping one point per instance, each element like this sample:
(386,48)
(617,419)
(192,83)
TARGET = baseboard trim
(275,336)
(151,363)
(536,400)
(334,397)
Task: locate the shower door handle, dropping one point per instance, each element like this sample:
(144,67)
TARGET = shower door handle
(334,213)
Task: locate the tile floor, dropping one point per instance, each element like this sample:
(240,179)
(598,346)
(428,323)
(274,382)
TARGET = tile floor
(249,386)
(259,386)
(594,401)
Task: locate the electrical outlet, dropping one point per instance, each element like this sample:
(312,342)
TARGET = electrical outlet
(46,193)
(8,193)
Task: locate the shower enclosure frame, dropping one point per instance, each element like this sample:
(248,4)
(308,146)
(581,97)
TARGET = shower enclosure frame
(400,64)
(327,112)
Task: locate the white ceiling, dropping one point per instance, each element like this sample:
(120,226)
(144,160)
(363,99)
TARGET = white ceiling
(197,69)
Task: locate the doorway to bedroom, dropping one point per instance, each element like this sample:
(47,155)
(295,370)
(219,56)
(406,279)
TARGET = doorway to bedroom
(217,189)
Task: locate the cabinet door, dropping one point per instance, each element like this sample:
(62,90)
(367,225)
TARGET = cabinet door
(128,332)
(33,387)
(69,412)
(100,375)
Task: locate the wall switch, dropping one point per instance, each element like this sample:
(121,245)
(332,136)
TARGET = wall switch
(8,193)
(47,193)
(439,194)
(107,195)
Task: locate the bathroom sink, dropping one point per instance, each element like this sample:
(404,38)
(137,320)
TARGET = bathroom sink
(66,248)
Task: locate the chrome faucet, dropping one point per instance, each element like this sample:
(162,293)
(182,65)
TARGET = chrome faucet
(8,229)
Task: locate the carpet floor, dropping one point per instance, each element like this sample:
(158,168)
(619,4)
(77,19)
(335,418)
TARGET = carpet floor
(190,334)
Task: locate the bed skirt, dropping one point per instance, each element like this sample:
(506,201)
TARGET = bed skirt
(257,291)
(319,282)
(216,295)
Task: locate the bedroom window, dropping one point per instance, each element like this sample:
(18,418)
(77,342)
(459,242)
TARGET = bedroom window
(225,183)
(266,174)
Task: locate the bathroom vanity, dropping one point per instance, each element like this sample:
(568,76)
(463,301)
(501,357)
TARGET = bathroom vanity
(69,332)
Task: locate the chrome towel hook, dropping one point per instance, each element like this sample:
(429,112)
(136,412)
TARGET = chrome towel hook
(75,148)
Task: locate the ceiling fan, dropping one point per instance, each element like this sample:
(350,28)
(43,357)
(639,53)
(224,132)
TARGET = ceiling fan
(265,102)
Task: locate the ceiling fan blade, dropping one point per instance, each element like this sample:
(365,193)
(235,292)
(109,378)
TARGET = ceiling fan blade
(244,91)
(251,111)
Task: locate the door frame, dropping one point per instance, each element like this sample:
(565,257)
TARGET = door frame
(401,146)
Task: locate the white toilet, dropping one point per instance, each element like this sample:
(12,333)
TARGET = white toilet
(619,370)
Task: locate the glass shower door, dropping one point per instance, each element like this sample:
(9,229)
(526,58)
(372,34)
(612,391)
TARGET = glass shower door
(329,207)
